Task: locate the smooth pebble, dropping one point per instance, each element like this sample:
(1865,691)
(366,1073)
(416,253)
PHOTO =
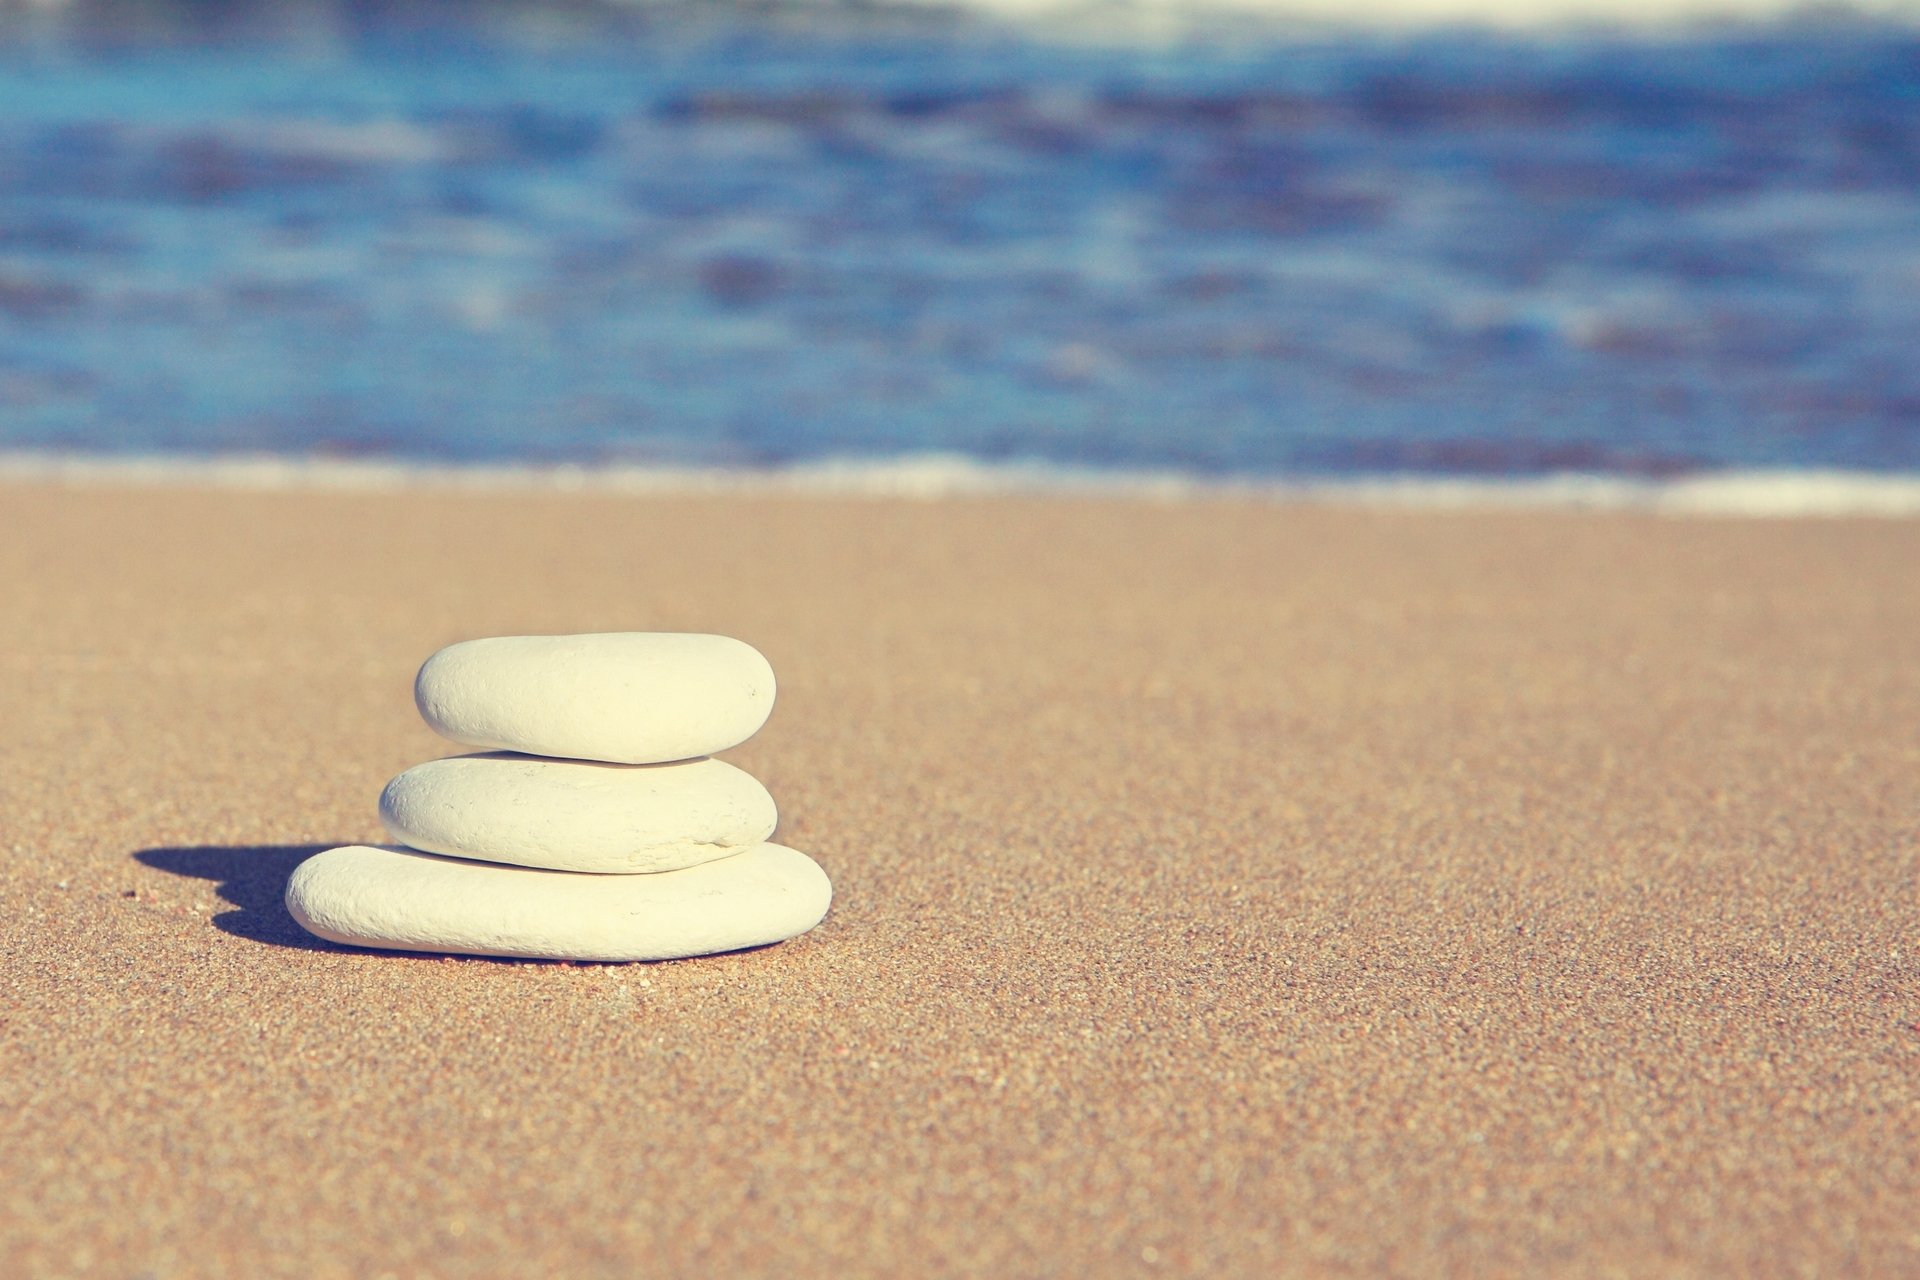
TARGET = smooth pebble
(403,900)
(572,815)
(632,697)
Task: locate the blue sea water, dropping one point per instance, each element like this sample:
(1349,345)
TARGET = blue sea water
(1439,254)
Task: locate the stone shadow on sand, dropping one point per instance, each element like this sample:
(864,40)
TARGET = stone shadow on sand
(254,879)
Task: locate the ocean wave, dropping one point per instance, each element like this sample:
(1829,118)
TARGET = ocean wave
(321,22)
(1191,16)
(1772,494)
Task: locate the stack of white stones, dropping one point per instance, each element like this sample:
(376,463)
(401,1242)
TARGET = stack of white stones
(595,829)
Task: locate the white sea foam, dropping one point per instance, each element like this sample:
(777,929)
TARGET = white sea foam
(1118,17)
(1184,16)
(1753,493)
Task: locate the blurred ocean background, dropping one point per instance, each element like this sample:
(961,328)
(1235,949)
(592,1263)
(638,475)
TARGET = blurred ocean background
(1485,240)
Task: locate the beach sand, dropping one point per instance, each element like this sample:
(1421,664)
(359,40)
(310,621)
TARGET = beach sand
(1223,888)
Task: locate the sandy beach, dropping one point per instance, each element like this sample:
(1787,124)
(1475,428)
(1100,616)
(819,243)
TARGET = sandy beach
(1223,888)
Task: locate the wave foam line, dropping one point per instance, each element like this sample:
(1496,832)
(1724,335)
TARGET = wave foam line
(1517,15)
(1748,493)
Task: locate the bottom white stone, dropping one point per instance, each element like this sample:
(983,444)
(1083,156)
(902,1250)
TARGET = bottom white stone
(406,901)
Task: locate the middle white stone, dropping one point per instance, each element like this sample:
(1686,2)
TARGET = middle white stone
(571,815)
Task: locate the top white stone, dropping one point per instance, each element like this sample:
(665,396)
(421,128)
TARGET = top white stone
(630,697)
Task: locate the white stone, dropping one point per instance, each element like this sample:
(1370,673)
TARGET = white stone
(632,697)
(403,900)
(572,815)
